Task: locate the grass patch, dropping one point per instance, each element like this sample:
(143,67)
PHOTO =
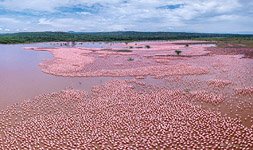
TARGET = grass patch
(246,42)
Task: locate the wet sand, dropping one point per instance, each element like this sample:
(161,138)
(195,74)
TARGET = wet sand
(156,100)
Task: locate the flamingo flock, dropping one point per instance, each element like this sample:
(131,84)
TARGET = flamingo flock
(116,116)
(245,91)
(133,113)
(90,62)
(219,83)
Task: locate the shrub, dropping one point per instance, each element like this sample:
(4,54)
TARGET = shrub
(130,59)
(147,46)
(178,52)
(124,50)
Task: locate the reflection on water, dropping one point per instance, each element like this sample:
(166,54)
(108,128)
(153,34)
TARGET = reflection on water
(21,78)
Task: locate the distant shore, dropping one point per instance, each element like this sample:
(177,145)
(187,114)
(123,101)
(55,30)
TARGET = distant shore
(35,37)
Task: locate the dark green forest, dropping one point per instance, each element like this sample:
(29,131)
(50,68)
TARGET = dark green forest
(31,37)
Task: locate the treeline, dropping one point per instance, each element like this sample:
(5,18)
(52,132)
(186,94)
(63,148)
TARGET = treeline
(31,37)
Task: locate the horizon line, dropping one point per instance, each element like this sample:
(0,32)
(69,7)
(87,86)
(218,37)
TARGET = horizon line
(237,33)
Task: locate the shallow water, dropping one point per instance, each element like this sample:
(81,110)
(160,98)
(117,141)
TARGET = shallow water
(21,78)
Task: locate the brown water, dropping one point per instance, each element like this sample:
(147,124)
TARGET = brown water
(21,78)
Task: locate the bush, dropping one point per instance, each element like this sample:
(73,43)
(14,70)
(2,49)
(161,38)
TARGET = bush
(124,50)
(130,59)
(178,52)
(147,46)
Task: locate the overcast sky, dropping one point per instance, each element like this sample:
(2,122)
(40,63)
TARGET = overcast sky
(219,16)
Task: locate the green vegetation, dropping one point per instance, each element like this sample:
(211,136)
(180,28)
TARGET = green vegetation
(124,50)
(178,52)
(147,46)
(130,59)
(243,41)
(31,37)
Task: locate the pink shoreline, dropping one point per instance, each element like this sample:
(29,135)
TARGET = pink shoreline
(65,60)
(73,61)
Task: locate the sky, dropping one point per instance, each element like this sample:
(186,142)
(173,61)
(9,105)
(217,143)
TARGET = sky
(209,16)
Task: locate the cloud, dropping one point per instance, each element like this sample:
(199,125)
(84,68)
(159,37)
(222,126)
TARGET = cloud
(175,6)
(138,15)
(38,5)
(8,20)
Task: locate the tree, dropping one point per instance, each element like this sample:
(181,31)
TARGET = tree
(178,52)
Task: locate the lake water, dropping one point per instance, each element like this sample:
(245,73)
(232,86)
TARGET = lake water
(21,78)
